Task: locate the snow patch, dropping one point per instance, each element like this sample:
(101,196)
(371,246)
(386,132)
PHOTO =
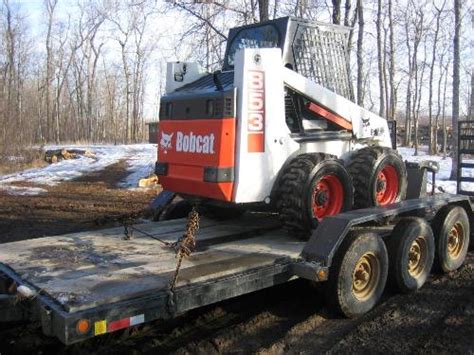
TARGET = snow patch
(22,190)
(443,182)
(140,162)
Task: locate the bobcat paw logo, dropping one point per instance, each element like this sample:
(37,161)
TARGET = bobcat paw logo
(165,142)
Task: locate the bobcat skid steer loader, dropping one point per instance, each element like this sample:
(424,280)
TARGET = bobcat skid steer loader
(276,127)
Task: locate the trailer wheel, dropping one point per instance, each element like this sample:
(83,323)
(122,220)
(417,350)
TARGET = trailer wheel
(312,187)
(451,231)
(358,274)
(379,176)
(411,250)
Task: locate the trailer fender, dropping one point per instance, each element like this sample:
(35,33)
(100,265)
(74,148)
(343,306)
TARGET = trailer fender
(330,233)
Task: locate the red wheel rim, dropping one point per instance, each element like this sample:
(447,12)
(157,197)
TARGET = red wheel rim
(327,197)
(387,185)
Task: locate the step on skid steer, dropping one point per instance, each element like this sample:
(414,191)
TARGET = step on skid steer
(276,128)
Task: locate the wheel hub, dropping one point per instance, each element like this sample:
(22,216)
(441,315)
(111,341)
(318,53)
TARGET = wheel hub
(416,256)
(365,276)
(381,184)
(327,197)
(456,240)
(387,185)
(321,197)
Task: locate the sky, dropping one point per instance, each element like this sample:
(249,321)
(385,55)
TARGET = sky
(170,26)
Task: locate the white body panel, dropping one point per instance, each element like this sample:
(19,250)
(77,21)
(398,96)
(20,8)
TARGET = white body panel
(256,172)
(365,123)
(179,74)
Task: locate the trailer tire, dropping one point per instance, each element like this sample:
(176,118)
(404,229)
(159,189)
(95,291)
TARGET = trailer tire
(379,175)
(451,230)
(358,275)
(306,188)
(411,249)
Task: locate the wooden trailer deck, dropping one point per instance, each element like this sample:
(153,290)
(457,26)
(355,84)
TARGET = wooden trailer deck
(85,270)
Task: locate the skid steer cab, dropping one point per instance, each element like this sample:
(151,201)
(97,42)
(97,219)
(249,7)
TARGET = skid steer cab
(277,127)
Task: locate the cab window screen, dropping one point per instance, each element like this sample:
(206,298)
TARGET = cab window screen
(256,37)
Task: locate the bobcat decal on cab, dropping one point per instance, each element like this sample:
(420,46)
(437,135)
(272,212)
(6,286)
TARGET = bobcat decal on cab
(165,141)
(188,143)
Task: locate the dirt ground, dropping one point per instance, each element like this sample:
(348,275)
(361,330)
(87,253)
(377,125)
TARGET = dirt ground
(289,318)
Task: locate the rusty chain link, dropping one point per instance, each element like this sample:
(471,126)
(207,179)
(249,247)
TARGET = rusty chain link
(185,245)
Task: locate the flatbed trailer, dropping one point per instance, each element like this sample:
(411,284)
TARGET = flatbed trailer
(87,284)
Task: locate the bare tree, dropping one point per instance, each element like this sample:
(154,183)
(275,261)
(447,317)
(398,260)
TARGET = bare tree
(360,59)
(336,12)
(444,128)
(392,100)
(456,66)
(50,6)
(413,25)
(263,9)
(381,68)
(432,128)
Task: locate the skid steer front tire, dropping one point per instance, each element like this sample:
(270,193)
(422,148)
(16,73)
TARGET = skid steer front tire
(311,187)
(379,176)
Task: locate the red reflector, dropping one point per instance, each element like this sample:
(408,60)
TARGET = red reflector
(118,324)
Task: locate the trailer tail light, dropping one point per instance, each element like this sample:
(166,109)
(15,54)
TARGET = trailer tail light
(83,326)
(102,326)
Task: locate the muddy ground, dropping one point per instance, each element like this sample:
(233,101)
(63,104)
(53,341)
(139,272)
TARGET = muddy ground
(289,318)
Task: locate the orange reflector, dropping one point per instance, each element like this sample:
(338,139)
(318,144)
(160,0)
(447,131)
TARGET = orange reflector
(83,326)
(322,275)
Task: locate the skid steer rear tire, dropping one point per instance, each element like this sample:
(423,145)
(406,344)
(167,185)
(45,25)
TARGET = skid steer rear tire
(379,176)
(311,187)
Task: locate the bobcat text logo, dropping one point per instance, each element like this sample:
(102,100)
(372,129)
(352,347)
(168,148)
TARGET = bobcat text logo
(194,143)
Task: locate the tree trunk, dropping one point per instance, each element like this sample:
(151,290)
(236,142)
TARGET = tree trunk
(445,133)
(381,68)
(432,130)
(391,73)
(408,92)
(347,11)
(438,101)
(471,104)
(263,6)
(456,66)
(336,12)
(360,59)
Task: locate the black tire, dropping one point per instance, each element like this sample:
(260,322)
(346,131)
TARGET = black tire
(176,210)
(452,231)
(365,167)
(297,184)
(411,249)
(345,292)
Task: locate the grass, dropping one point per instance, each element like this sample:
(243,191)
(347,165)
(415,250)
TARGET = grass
(20,159)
